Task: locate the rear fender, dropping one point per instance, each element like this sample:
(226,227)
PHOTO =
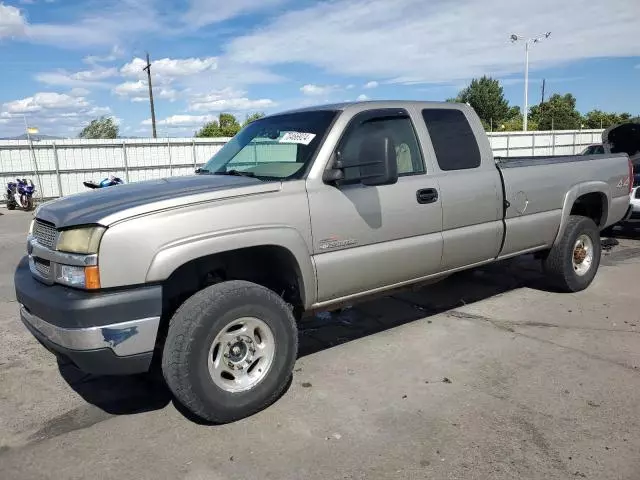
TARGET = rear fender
(576,192)
(174,255)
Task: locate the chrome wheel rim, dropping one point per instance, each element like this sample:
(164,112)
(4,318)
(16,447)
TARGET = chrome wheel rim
(582,255)
(241,354)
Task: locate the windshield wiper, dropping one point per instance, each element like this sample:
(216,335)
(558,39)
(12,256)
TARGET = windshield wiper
(236,173)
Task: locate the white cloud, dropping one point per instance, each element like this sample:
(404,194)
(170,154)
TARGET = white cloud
(372,84)
(139,91)
(362,98)
(408,41)
(79,92)
(114,21)
(314,90)
(51,112)
(115,53)
(12,22)
(205,12)
(85,78)
(228,100)
(168,69)
(45,101)
(131,89)
(350,86)
(182,121)
(206,80)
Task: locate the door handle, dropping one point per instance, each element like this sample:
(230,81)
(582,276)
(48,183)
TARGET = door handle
(427,195)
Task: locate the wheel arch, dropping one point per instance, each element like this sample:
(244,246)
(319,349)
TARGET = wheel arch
(590,199)
(279,244)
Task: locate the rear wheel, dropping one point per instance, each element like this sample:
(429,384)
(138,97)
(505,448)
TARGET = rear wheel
(230,351)
(572,264)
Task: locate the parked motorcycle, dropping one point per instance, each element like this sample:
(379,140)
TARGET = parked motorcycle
(20,194)
(110,181)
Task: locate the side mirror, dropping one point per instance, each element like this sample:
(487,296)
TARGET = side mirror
(377,164)
(378,161)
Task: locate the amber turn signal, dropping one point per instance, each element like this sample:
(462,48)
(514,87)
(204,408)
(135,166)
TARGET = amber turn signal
(92,277)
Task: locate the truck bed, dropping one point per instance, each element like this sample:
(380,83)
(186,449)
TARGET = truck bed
(537,190)
(515,162)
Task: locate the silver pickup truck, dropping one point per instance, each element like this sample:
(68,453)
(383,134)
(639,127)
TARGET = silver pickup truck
(207,275)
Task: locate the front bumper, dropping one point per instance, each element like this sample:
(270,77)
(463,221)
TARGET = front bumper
(107,333)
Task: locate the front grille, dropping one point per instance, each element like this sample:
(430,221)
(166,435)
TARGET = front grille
(45,234)
(43,267)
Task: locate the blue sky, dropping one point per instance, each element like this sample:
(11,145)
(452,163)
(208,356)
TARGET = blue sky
(64,62)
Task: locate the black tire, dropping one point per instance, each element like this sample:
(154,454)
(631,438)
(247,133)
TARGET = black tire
(11,206)
(558,264)
(192,331)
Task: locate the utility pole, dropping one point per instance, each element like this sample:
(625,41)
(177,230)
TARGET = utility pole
(527,42)
(542,101)
(153,110)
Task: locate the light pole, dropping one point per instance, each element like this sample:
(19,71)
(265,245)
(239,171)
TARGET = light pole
(527,42)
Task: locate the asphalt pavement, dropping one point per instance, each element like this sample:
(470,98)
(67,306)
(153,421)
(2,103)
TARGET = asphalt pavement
(486,375)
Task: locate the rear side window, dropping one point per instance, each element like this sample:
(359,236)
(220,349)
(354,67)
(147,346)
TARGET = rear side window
(453,140)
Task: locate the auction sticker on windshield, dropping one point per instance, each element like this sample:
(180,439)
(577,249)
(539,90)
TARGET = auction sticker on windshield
(297,137)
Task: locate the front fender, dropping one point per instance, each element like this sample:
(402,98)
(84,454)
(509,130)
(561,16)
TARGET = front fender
(173,255)
(576,192)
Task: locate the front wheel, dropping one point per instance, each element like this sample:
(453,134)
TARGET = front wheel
(28,203)
(572,264)
(230,351)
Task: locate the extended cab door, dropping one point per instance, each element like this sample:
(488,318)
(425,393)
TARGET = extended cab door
(470,186)
(371,237)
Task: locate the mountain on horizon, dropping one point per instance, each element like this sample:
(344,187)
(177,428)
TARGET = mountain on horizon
(35,137)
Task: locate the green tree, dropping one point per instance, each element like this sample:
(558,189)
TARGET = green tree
(226,125)
(558,113)
(229,125)
(486,96)
(103,127)
(209,130)
(514,124)
(252,118)
(600,119)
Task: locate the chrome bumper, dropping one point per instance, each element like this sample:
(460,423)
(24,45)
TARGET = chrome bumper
(124,339)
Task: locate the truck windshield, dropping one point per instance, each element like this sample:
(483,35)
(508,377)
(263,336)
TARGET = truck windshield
(277,147)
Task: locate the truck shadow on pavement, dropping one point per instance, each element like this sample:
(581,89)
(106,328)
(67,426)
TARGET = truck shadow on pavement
(143,393)
(630,231)
(329,329)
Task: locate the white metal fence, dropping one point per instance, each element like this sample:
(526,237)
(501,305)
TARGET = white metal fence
(59,167)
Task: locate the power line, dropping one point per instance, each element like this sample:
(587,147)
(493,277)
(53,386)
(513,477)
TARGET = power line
(147,68)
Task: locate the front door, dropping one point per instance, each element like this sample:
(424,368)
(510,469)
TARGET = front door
(371,237)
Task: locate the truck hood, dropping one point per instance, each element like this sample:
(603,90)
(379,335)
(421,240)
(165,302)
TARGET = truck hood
(624,138)
(111,204)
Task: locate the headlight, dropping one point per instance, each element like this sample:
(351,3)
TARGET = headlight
(80,277)
(31,226)
(80,240)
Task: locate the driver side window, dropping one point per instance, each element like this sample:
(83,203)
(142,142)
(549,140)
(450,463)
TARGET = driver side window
(398,129)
